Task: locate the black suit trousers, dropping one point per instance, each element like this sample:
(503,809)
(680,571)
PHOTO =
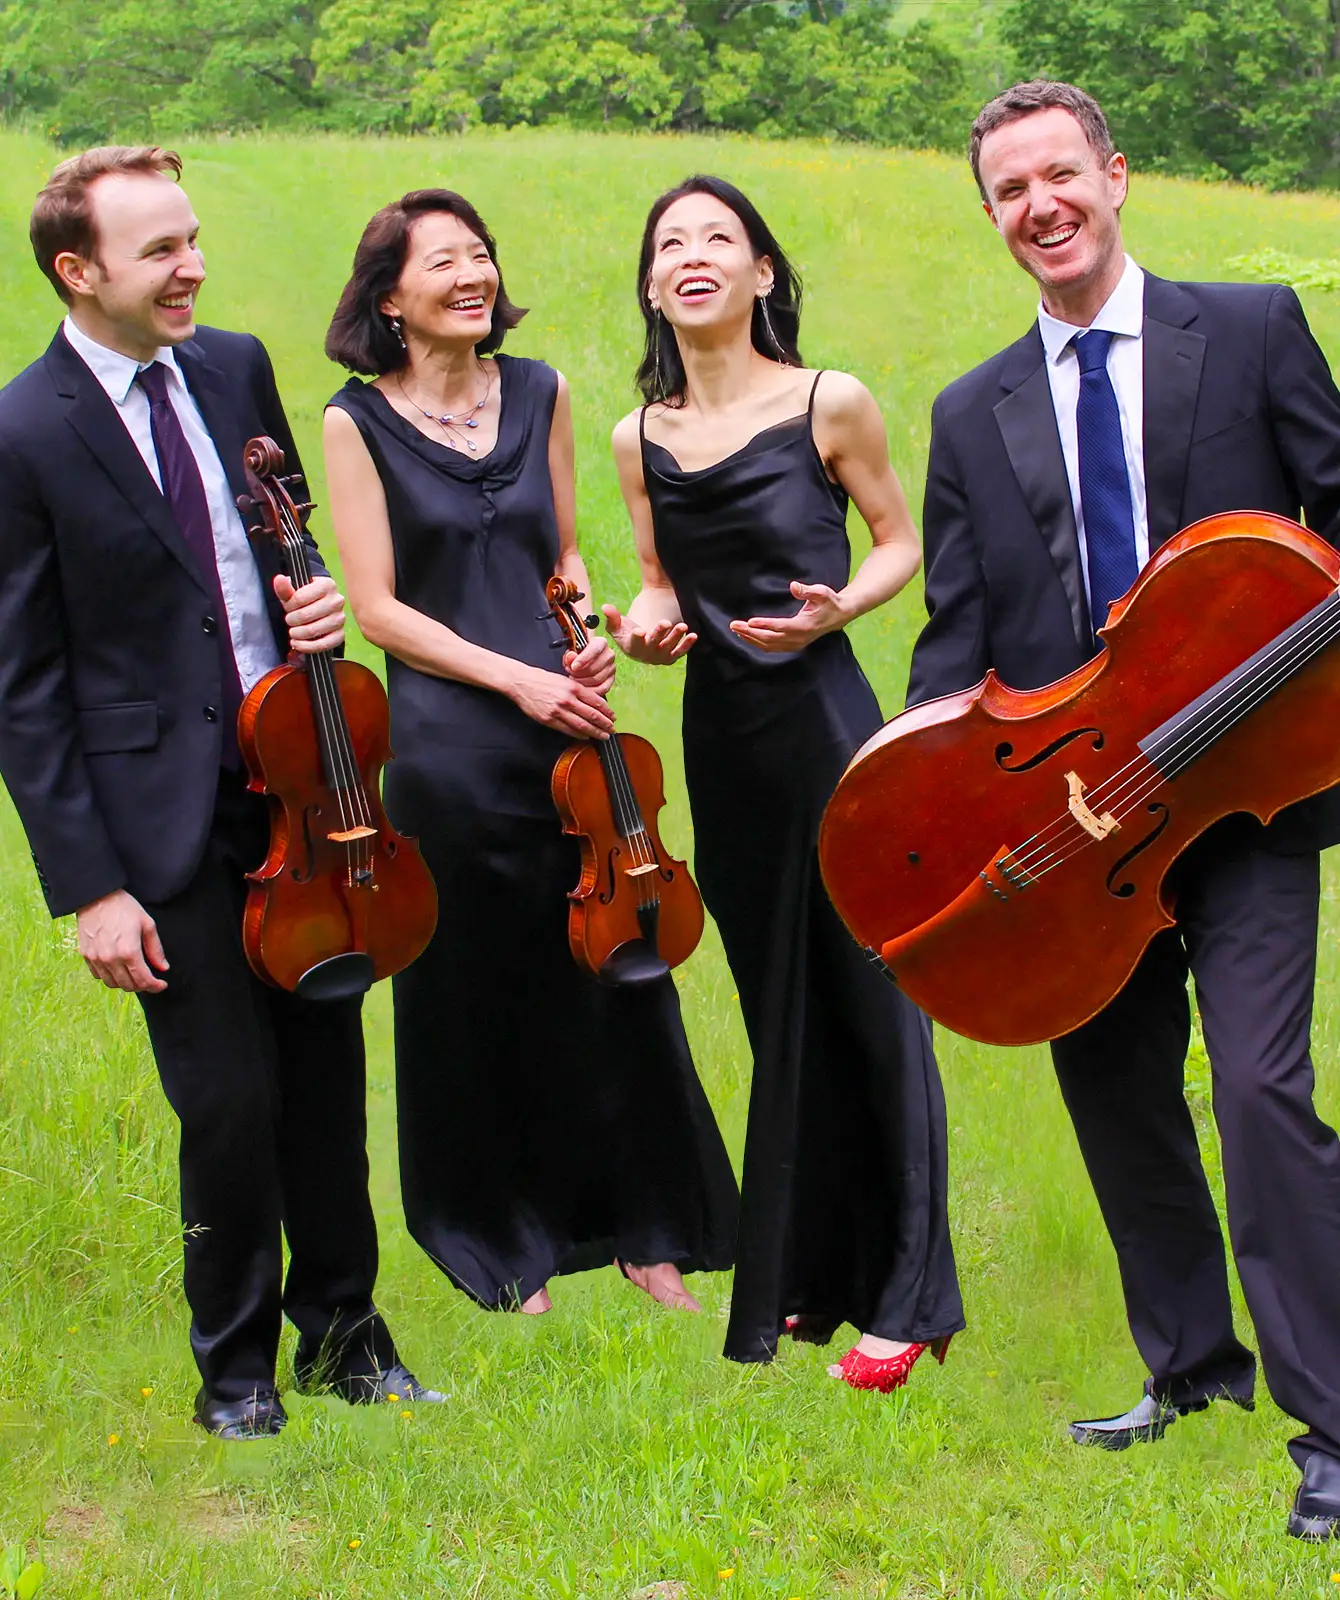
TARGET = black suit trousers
(270,1093)
(1247,932)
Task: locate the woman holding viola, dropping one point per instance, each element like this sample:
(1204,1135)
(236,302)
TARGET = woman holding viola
(548,1123)
(737,474)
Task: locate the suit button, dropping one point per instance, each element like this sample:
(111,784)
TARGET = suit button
(211,713)
(210,625)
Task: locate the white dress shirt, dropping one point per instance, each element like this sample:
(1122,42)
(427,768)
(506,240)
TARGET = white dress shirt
(1124,315)
(243,592)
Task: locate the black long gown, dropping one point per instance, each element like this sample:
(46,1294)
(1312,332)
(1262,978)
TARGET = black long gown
(843,1204)
(547,1123)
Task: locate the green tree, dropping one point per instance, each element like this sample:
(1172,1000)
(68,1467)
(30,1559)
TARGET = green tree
(369,54)
(1242,88)
(591,63)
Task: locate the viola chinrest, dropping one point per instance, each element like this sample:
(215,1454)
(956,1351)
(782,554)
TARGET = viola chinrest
(337,977)
(631,964)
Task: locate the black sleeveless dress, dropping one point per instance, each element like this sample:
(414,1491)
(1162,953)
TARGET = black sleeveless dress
(843,1203)
(547,1123)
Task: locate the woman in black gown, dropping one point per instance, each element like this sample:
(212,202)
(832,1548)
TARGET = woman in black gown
(547,1123)
(737,474)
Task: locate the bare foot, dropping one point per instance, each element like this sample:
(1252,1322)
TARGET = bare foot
(876,1349)
(663,1283)
(538,1304)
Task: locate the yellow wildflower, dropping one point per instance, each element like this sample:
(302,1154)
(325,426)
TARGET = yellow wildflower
(354,1543)
(113,1438)
(406,1415)
(391,1399)
(726,1572)
(147,1390)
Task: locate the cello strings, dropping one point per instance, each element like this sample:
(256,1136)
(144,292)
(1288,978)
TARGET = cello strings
(1200,732)
(1191,738)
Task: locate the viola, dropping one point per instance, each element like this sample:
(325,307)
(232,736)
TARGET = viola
(341,898)
(1005,855)
(635,912)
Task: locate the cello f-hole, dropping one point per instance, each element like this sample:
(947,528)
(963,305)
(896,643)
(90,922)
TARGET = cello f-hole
(1003,752)
(1125,890)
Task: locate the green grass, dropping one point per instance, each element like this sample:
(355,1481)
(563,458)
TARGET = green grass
(607,1448)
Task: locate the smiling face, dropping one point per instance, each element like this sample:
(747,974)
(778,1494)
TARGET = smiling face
(1057,207)
(447,286)
(704,273)
(137,292)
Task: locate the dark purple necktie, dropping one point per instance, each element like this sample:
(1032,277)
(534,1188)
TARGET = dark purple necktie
(184,491)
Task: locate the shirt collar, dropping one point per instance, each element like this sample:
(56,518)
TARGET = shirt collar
(1123,312)
(115,372)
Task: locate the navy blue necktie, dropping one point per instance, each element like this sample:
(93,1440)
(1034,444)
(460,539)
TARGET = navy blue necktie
(1104,484)
(184,491)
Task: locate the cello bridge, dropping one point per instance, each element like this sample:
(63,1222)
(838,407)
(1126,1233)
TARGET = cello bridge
(1097,826)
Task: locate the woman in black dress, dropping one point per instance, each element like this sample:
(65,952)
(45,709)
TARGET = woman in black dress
(547,1123)
(737,474)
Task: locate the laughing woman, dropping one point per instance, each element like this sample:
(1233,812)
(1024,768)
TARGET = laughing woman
(737,474)
(547,1123)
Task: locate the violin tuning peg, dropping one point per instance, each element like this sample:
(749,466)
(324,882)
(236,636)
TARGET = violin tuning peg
(245,504)
(592,621)
(558,644)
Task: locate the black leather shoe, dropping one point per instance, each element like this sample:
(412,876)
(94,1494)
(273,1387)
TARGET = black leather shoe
(391,1384)
(1316,1506)
(258,1417)
(1142,1424)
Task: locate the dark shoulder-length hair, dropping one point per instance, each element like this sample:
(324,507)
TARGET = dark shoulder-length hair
(775,333)
(360,335)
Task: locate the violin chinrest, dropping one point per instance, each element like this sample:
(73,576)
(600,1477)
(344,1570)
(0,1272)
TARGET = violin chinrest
(337,978)
(632,963)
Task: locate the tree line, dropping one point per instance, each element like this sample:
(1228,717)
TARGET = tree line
(1243,89)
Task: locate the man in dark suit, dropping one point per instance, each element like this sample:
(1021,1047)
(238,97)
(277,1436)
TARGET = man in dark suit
(1132,408)
(133,618)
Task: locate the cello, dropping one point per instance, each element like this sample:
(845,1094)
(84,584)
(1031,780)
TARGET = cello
(1005,854)
(341,898)
(635,912)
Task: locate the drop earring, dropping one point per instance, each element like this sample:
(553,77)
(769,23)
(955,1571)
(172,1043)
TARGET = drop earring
(773,340)
(656,352)
(398,328)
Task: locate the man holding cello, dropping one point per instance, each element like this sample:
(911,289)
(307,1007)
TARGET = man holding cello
(134,616)
(1132,408)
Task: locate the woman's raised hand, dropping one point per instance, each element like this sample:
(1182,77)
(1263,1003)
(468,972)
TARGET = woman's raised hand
(821,611)
(659,643)
(563,703)
(593,667)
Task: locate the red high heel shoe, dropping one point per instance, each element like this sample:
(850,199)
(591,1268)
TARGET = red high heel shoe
(886,1374)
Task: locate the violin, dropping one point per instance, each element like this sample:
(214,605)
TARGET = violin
(341,898)
(1005,855)
(635,912)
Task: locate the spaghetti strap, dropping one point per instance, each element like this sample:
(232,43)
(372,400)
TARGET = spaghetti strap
(809,409)
(642,427)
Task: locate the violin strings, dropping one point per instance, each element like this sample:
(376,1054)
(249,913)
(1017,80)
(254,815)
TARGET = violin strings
(628,814)
(1190,739)
(351,801)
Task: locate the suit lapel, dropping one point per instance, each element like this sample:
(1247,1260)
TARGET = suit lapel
(93,417)
(1027,422)
(1173,356)
(209,390)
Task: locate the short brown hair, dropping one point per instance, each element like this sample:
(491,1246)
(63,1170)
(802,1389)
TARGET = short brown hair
(1039,94)
(62,216)
(360,335)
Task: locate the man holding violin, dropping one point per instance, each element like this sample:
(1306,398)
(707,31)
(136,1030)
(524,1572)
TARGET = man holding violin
(1132,408)
(134,616)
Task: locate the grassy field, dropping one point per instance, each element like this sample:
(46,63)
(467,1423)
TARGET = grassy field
(605,1450)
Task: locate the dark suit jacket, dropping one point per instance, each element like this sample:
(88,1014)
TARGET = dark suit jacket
(109,666)
(1240,413)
